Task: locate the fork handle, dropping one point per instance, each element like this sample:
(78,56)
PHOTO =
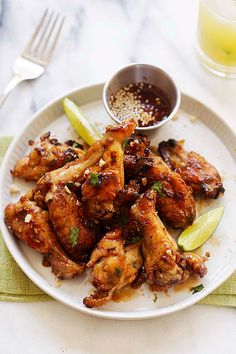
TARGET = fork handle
(14,81)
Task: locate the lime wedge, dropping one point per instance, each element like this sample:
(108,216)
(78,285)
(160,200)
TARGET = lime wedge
(199,232)
(79,122)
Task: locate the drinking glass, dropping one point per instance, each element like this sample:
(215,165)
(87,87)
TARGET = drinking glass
(217,36)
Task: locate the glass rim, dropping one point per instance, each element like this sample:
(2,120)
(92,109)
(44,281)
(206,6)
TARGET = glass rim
(206,2)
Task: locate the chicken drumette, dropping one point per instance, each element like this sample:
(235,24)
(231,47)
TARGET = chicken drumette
(198,173)
(69,222)
(174,202)
(163,264)
(47,155)
(100,172)
(31,224)
(114,265)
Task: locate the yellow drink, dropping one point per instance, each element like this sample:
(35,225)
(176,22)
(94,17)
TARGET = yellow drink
(217,35)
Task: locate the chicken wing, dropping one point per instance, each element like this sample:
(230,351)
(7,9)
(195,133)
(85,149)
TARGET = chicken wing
(103,183)
(114,266)
(68,219)
(175,202)
(163,263)
(193,168)
(74,171)
(30,224)
(48,154)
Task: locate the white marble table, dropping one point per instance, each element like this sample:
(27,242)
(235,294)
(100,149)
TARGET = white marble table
(99,36)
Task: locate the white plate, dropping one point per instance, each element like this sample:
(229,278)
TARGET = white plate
(207,134)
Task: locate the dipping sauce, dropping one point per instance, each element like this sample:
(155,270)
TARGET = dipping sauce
(144,102)
(124,294)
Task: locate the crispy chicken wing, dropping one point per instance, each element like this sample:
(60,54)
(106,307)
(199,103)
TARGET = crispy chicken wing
(175,202)
(193,168)
(74,171)
(163,264)
(103,182)
(30,224)
(69,222)
(113,266)
(48,154)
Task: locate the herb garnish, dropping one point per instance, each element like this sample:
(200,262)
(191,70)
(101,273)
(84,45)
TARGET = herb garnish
(158,187)
(124,143)
(133,239)
(118,271)
(94,179)
(155,298)
(74,232)
(70,184)
(197,288)
(134,264)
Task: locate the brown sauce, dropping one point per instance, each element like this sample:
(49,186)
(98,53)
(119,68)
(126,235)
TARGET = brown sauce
(124,294)
(146,103)
(187,285)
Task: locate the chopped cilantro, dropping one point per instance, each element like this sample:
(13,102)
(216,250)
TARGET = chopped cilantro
(133,239)
(134,264)
(118,271)
(158,187)
(70,184)
(197,288)
(155,298)
(124,143)
(74,232)
(94,179)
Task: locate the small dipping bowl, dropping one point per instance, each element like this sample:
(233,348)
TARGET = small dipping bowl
(147,74)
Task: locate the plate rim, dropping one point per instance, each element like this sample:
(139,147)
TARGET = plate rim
(37,279)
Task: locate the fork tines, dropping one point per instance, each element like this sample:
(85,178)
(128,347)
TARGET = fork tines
(44,39)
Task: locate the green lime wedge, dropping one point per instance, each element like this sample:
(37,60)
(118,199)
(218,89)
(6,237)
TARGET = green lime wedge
(199,232)
(79,122)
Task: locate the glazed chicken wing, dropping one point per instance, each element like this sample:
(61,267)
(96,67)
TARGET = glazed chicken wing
(113,266)
(175,202)
(30,224)
(74,171)
(163,264)
(103,182)
(48,154)
(69,222)
(193,168)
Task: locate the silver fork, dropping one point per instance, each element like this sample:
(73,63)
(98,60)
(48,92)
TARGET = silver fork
(32,62)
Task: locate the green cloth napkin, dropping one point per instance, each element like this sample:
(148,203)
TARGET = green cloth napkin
(15,286)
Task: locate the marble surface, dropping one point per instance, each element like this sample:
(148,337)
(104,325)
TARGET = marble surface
(99,36)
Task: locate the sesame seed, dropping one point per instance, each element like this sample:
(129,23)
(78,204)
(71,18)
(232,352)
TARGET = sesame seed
(144,181)
(101,163)
(28,218)
(67,190)
(48,197)
(86,172)
(139,102)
